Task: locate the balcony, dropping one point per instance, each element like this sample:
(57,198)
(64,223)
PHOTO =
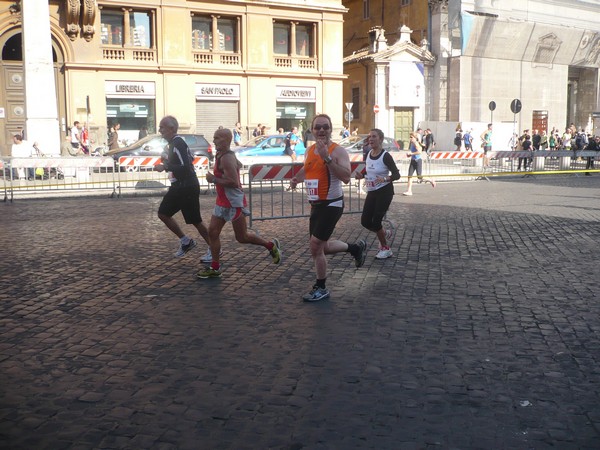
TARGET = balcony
(295,63)
(138,55)
(216,58)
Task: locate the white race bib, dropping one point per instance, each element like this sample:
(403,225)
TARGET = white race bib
(312,190)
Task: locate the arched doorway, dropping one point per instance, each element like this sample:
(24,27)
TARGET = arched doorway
(12,94)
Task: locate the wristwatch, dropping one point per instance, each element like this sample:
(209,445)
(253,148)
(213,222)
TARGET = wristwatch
(328,159)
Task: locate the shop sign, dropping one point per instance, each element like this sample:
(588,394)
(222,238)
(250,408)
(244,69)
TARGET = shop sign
(210,91)
(129,89)
(296,94)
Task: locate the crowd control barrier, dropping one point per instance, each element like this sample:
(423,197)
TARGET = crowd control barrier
(137,173)
(270,195)
(49,175)
(463,165)
(56,175)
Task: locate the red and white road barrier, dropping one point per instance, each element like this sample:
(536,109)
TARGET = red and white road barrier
(200,162)
(454,155)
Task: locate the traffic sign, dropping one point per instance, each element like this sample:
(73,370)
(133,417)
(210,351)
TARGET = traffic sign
(349,105)
(515,106)
(349,116)
(375,109)
(492,105)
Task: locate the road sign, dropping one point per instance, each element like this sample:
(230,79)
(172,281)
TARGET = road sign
(349,116)
(492,105)
(375,109)
(515,106)
(349,105)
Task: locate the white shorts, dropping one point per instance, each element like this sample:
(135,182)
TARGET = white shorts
(230,214)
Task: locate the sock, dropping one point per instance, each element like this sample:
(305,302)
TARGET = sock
(215,265)
(185,240)
(270,246)
(353,249)
(321,283)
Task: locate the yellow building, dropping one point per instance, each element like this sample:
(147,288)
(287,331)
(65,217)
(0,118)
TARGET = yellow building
(210,64)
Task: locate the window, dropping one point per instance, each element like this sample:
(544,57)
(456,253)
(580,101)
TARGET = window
(404,2)
(293,39)
(356,103)
(365,9)
(206,28)
(126,28)
(281,38)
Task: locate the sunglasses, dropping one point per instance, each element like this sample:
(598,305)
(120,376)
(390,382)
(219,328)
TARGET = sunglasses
(321,127)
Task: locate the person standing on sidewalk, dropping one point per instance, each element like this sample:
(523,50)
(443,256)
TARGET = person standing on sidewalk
(326,167)
(416,164)
(230,206)
(184,193)
(379,173)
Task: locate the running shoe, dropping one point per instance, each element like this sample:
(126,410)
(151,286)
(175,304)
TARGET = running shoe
(209,272)
(407,193)
(384,253)
(362,253)
(276,252)
(207,257)
(317,293)
(184,248)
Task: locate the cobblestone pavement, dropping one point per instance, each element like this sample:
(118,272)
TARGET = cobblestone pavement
(481,332)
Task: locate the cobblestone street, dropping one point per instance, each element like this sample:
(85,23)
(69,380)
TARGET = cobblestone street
(481,332)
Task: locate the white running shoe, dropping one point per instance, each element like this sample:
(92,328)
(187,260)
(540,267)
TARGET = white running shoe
(207,257)
(384,253)
(184,248)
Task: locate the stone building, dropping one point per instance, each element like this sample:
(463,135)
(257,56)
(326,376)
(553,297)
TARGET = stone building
(209,64)
(484,52)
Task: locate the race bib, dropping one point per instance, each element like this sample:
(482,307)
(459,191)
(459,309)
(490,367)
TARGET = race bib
(370,182)
(312,190)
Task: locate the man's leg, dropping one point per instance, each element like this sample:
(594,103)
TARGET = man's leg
(171,224)
(214,239)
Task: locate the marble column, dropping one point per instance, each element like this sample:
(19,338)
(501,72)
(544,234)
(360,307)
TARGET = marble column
(41,109)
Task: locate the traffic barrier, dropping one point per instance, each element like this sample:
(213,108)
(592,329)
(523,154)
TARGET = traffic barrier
(137,172)
(270,196)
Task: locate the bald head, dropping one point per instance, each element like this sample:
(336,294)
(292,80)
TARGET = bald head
(222,139)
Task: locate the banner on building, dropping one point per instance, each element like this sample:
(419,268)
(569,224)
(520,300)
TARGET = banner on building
(407,84)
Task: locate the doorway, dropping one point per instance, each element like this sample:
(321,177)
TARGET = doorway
(12,94)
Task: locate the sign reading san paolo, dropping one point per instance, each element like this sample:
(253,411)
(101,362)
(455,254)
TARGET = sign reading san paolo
(217,91)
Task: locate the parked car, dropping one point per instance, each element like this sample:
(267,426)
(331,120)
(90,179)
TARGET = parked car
(154,145)
(269,150)
(355,144)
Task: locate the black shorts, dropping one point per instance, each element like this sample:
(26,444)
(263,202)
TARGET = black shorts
(415,165)
(323,219)
(184,199)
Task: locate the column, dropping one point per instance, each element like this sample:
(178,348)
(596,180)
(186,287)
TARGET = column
(41,109)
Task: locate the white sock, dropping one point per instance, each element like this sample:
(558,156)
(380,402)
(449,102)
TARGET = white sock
(185,240)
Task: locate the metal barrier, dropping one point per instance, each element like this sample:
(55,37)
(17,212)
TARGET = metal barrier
(56,174)
(137,172)
(445,166)
(270,195)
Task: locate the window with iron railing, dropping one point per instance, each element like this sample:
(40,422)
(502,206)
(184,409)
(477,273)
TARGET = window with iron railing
(216,39)
(128,34)
(294,45)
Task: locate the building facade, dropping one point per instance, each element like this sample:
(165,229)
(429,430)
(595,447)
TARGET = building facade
(210,64)
(485,53)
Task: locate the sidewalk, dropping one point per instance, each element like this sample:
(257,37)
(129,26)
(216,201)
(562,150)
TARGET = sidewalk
(481,332)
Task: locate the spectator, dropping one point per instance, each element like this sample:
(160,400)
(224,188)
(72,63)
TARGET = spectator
(257,130)
(143,132)
(76,136)
(113,142)
(468,140)
(429,141)
(237,134)
(594,145)
(458,138)
(22,149)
